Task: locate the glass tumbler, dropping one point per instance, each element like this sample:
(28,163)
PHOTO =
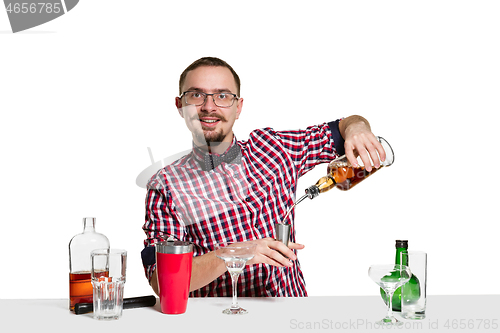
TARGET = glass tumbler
(414,307)
(108,279)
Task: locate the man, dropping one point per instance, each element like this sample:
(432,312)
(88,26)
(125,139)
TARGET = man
(234,191)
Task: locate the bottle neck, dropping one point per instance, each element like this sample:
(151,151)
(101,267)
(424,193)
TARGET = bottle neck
(400,259)
(311,192)
(89,224)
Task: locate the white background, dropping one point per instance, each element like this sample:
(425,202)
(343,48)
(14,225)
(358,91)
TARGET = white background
(83,96)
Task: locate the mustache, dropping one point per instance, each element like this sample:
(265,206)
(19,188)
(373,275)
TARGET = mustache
(201,115)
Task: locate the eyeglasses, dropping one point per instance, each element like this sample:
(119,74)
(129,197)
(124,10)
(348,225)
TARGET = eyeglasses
(222,100)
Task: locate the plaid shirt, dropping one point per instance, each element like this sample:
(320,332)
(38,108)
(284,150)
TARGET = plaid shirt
(237,202)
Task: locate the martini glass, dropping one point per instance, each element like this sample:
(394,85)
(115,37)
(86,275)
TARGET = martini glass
(389,278)
(235,257)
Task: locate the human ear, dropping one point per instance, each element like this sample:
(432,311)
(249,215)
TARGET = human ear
(239,107)
(178,105)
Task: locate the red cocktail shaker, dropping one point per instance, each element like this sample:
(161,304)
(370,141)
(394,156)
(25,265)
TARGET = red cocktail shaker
(174,261)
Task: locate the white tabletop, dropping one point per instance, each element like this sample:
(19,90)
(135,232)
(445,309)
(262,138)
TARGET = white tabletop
(338,313)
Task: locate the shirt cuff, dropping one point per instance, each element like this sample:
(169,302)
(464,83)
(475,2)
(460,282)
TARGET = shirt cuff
(338,140)
(148,256)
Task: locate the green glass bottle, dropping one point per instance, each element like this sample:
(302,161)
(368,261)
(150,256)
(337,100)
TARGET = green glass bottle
(411,293)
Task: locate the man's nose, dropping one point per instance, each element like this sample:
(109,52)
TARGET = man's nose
(209,104)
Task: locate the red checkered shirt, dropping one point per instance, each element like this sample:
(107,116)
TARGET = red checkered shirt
(237,202)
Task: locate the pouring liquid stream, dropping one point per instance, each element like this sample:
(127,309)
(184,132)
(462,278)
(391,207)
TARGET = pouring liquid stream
(293,206)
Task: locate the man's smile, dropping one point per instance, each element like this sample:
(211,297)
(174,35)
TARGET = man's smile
(210,121)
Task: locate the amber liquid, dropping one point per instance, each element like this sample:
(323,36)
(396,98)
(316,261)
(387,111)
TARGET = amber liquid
(80,288)
(343,176)
(340,175)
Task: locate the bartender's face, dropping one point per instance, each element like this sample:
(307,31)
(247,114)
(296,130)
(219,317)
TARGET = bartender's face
(209,122)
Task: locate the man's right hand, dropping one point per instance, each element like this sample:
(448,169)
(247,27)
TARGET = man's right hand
(272,252)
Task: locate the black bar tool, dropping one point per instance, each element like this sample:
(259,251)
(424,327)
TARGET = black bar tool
(128,303)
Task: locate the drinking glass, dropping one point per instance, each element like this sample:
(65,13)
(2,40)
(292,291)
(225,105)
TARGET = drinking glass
(413,303)
(108,274)
(235,257)
(389,278)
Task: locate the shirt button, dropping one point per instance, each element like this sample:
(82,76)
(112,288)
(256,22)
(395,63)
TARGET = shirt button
(247,199)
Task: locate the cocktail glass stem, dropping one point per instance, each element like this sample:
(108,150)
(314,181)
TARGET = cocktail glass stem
(235,309)
(234,279)
(389,294)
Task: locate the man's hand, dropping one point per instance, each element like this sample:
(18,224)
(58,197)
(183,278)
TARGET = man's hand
(360,141)
(273,252)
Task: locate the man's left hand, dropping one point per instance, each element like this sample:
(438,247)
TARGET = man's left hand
(360,141)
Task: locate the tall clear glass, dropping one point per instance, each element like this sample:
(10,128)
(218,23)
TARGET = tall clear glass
(414,307)
(80,247)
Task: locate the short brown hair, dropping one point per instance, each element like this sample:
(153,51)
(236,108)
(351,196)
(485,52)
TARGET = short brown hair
(211,62)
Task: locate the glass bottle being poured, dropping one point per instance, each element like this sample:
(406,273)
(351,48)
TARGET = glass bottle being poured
(342,175)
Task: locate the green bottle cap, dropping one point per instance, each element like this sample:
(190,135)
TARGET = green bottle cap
(402,243)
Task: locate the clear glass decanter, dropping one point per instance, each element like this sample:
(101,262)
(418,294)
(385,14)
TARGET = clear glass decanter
(80,246)
(343,175)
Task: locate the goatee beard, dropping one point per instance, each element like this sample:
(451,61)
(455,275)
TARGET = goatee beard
(211,139)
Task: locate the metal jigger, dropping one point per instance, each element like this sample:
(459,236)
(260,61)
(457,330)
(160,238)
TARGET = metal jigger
(283,232)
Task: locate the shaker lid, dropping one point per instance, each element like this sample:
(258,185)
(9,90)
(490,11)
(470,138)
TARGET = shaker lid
(174,247)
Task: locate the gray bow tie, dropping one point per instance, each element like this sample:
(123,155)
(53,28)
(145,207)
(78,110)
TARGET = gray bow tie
(211,161)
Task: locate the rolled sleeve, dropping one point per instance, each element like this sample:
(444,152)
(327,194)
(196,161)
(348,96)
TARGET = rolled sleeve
(337,138)
(312,146)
